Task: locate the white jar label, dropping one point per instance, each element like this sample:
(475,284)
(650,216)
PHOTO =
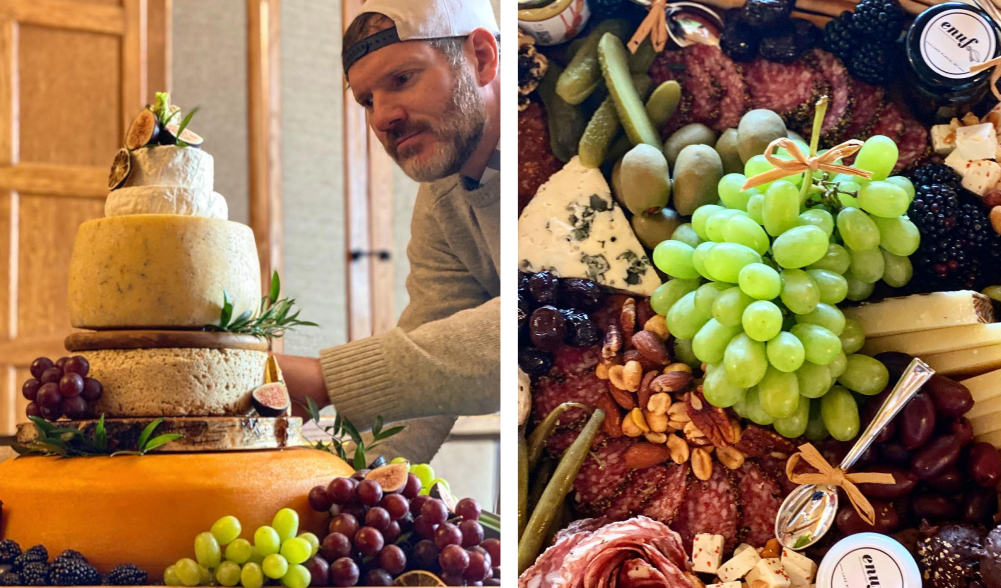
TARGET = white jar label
(560,28)
(955,39)
(867,566)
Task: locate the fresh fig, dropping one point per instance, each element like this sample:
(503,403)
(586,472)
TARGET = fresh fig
(121,168)
(190,138)
(392,477)
(270,400)
(143,130)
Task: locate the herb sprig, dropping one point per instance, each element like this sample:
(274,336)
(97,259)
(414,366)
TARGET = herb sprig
(343,432)
(270,321)
(71,442)
(166,112)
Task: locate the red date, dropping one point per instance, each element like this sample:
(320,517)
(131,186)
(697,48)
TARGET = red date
(937,456)
(849,522)
(983,464)
(934,506)
(951,398)
(895,452)
(918,421)
(979,505)
(896,362)
(950,482)
(962,429)
(904,482)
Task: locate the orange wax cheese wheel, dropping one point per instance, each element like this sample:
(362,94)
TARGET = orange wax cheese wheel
(147,510)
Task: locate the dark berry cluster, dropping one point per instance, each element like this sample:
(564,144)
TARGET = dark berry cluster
(865,40)
(764,27)
(69,568)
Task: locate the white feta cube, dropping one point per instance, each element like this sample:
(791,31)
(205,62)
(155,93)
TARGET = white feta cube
(798,577)
(981,176)
(770,572)
(943,139)
(977,142)
(707,553)
(799,560)
(956,162)
(738,566)
(742,547)
(724,585)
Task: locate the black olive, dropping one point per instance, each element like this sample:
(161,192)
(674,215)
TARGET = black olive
(523,283)
(739,41)
(533,362)
(547,328)
(767,13)
(582,331)
(544,287)
(580,294)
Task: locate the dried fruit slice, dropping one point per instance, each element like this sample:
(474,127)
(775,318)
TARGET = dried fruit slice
(418,578)
(270,400)
(120,169)
(143,130)
(391,477)
(272,372)
(190,138)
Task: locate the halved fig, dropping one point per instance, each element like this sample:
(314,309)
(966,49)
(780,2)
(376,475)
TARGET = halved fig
(270,400)
(120,169)
(391,477)
(190,138)
(143,131)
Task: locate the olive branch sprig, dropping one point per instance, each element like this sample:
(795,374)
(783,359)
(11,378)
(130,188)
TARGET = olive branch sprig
(70,442)
(270,321)
(343,432)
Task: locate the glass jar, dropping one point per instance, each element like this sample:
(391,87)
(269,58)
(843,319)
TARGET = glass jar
(552,22)
(868,559)
(941,45)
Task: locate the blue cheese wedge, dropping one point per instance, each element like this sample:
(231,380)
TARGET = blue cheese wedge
(574,229)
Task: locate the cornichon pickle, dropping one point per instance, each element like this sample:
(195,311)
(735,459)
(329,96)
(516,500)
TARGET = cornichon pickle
(615,67)
(604,127)
(663,102)
(566,121)
(583,73)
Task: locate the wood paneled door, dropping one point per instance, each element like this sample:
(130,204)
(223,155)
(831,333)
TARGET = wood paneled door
(72,75)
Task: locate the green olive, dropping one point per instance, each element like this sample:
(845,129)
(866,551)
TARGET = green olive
(696,175)
(645,179)
(653,229)
(726,146)
(756,130)
(693,134)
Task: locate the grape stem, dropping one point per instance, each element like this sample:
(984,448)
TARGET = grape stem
(818,120)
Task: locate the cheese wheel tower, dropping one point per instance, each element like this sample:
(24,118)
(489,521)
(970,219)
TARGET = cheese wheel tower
(145,281)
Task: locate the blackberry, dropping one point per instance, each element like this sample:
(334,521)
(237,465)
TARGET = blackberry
(35,574)
(73,572)
(766,14)
(880,20)
(838,37)
(11,579)
(933,173)
(789,43)
(738,41)
(34,554)
(8,551)
(71,554)
(126,575)
(935,209)
(872,62)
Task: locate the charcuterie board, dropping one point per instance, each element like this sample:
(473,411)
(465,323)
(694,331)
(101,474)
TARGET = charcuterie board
(731,250)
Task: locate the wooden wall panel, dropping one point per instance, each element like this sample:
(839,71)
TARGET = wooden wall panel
(70,97)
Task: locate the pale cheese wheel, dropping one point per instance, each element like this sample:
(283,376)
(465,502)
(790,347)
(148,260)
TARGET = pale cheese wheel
(169,165)
(161,271)
(166,200)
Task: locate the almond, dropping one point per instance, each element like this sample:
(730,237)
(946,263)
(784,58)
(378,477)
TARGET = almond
(644,454)
(672,382)
(627,318)
(650,345)
(622,398)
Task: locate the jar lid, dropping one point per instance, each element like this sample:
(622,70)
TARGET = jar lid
(530,4)
(947,39)
(868,559)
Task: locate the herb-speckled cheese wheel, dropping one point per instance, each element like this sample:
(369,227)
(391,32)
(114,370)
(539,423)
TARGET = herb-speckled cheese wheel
(161,271)
(147,510)
(176,382)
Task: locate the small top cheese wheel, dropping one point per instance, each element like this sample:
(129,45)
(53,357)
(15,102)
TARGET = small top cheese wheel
(161,271)
(169,165)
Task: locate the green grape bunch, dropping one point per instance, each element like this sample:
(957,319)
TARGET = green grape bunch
(757,280)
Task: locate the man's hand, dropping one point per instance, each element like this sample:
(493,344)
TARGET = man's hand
(304,379)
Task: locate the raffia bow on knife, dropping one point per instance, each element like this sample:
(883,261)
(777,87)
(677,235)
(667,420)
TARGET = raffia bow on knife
(800,162)
(995,75)
(653,26)
(828,474)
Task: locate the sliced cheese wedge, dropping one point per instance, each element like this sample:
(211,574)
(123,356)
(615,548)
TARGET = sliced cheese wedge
(994,438)
(967,362)
(922,312)
(574,229)
(922,343)
(986,392)
(985,424)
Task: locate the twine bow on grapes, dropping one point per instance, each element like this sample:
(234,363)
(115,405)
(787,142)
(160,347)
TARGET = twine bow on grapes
(828,474)
(801,162)
(995,75)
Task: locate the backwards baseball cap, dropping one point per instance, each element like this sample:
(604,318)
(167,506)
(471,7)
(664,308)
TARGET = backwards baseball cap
(422,20)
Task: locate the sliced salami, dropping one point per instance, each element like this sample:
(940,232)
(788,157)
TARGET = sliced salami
(709,507)
(670,65)
(728,79)
(550,392)
(839,97)
(575,361)
(701,64)
(891,123)
(760,498)
(637,573)
(642,485)
(867,104)
(757,441)
(664,504)
(561,440)
(912,145)
(788,89)
(603,476)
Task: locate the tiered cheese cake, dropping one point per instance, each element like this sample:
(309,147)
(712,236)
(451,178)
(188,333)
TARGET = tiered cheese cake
(146,284)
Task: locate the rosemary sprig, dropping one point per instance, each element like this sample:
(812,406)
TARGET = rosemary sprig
(272,319)
(71,442)
(343,432)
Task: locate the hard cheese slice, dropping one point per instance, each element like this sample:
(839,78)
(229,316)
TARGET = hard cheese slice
(574,229)
(968,362)
(923,343)
(986,392)
(922,312)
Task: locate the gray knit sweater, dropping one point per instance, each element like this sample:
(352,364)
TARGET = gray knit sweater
(443,359)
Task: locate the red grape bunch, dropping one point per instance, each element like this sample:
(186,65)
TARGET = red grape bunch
(61,389)
(375,535)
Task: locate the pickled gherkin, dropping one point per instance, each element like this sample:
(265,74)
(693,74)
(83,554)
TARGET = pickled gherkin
(613,57)
(583,74)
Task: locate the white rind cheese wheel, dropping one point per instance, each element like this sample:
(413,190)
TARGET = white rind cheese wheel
(168,165)
(176,382)
(161,271)
(166,200)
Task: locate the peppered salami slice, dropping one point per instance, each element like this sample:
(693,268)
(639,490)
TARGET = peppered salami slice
(637,573)
(669,65)
(575,361)
(642,485)
(709,507)
(757,441)
(701,64)
(913,144)
(780,87)
(839,97)
(603,476)
(890,124)
(759,497)
(727,80)
(867,103)
(550,392)
(663,505)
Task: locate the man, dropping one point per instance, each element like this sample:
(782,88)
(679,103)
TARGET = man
(427,74)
